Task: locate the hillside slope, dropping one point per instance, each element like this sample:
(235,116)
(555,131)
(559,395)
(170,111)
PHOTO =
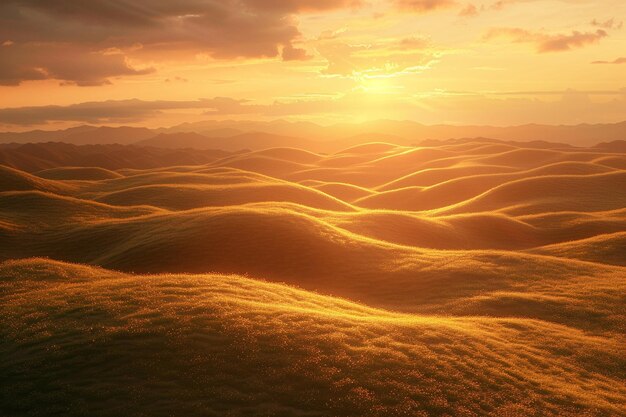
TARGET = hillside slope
(225,345)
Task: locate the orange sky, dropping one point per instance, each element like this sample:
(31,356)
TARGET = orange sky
(433,61)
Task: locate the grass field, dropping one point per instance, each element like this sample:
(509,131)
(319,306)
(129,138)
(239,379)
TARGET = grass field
(467,278)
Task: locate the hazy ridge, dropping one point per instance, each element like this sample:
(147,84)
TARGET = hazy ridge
(241,134)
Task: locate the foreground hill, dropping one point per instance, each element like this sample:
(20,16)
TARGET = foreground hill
(217,345)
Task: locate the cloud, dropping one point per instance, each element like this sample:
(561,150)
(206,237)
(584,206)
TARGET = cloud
(423,6)
(116,111)
(331,34)
(569,92)
(295,54)
(434,107)
(565,107)
(574,40)
(501,4)
(547,42)
(69,63)
(621,60)
(384,58)
(608,24)
(176,78)
(469,11)
(302,5)
(413,43)
(222,29)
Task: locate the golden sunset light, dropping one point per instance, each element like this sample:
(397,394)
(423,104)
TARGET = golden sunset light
(321,208)
(432,61)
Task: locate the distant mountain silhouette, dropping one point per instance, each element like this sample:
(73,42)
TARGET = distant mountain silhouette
(34,157)
(235,135)
(614,146)
(82,135)
(177,140)
(250,140)
(413,132)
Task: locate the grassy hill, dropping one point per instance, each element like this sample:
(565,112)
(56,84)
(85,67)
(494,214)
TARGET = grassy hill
(111,343)
(464,278)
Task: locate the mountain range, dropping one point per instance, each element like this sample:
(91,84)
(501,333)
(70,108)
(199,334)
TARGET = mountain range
(238,135)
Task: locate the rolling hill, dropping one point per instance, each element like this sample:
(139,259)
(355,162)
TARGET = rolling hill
(227,345)
(468,277)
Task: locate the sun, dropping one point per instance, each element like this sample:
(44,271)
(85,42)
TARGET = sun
(378,85)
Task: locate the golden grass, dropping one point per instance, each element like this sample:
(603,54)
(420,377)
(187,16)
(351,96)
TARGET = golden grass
(79,340)
(470,278)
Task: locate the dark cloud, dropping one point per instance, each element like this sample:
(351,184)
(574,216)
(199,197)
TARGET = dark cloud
(221,29)
(608,24)
(621,60)
(548,42)
(116,111)
(423,6)
(71,64)
(301,5)
(294,54)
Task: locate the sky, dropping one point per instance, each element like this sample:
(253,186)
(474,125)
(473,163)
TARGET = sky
(158,63)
